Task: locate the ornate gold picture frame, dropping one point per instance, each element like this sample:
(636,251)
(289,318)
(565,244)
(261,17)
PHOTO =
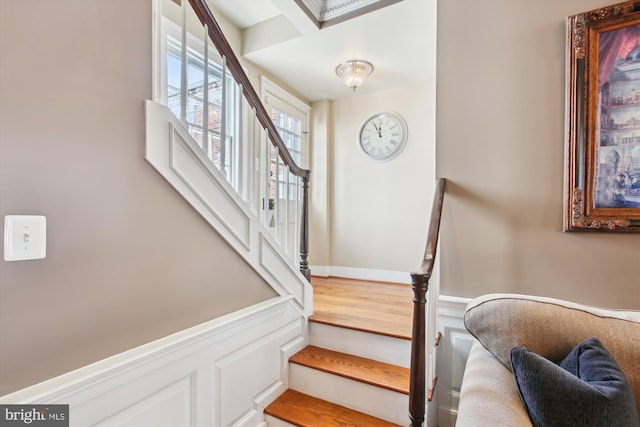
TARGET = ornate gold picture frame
(602,182)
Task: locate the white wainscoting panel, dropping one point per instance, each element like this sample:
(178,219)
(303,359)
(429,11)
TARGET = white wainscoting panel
(173,405)
(453,352)
(220,373)
(177,157)
(205,182)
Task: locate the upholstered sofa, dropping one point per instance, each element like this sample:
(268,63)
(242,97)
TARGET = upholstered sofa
(548,333)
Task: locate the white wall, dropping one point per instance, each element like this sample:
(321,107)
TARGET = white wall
(379,211)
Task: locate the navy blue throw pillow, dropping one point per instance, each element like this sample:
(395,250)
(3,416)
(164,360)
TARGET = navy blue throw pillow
(586,389)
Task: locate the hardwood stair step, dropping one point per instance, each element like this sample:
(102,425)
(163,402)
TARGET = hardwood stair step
(303,410)
(375,307)
(373,372)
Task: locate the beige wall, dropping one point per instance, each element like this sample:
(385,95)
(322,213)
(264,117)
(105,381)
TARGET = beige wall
(128,260)
(379,211)
(500,133)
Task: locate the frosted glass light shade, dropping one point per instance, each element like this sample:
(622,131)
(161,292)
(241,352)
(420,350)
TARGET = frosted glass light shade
(354,72)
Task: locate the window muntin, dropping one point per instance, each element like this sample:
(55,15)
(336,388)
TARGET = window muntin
(290,130)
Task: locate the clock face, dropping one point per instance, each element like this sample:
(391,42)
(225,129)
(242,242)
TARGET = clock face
(382,136)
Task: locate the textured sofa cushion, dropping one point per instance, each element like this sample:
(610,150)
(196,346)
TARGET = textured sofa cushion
(587,389)
(552,328)
(488,395)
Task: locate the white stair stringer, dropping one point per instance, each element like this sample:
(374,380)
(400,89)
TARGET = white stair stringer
(383,348)
(179,159)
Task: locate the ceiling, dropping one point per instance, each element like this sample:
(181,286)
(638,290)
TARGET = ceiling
(398,39)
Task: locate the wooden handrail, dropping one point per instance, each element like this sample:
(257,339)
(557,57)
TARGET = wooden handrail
(420,284)
(205,16)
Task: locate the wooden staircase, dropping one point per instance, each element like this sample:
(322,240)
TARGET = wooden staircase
(355,372)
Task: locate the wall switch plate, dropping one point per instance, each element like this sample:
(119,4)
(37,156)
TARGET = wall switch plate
(25,237)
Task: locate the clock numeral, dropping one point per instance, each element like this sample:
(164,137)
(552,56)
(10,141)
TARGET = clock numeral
(394,142)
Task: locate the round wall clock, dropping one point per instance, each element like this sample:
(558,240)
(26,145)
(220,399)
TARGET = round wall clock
(382,136)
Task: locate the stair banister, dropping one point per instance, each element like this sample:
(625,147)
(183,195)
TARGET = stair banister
(420,284)
(232,63)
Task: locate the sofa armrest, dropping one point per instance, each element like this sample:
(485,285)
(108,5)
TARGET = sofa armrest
(552,328)
(488,397)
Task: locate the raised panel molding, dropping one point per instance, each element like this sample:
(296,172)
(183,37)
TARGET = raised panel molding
(173,405)
(256,361)
(220,373)
(174,154)
(204,181)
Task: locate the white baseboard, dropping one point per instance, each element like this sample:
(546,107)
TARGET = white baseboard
(362,274)
(188,378)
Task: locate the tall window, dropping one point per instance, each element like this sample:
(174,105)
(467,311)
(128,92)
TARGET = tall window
(290,129)
(195,95)
(207,114)
(290,116)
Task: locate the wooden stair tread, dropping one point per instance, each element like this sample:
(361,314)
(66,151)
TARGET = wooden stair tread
(306,411)
(376,307)
(380,374)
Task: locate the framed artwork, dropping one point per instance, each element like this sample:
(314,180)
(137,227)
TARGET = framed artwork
(602,182)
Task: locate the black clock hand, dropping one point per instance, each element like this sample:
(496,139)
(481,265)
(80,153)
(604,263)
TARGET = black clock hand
(378,129)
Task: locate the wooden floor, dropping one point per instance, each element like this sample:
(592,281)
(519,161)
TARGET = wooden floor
(384,308)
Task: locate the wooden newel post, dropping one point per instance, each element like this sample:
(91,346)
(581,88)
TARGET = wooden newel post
(417,386)
(304,229)
(420,284)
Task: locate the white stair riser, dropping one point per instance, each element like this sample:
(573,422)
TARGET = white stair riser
(375,401)
(276,422)
(383,348)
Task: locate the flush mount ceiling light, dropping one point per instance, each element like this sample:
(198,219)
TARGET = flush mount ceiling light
(354,72)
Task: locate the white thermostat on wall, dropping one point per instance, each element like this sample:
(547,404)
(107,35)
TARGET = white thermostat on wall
(25,237)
